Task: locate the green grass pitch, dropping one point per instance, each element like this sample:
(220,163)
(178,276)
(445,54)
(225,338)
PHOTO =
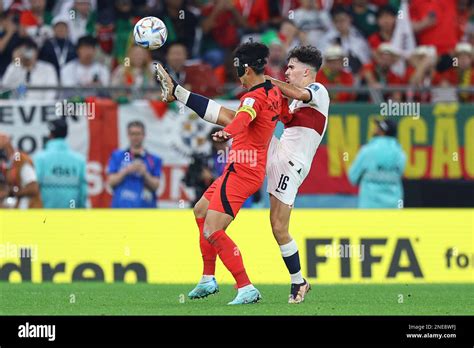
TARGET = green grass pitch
(165,299)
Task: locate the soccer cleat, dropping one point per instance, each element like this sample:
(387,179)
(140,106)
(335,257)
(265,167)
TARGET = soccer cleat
(298,292)
(246,297)
(204,289)
(166,82)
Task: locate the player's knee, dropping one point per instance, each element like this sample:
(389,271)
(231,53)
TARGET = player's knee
(207,231)
(200,210)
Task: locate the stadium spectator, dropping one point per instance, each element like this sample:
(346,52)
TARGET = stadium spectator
(191,76)
(176,56)
(82,20)
(312,19)
(420,71)
(85,71)
(276,61)
(180,22)
(378,169)
(20,176)
(220,26)
(9,40)
(137,71)
(386,20)
(26,70)
(255,12)
(434,23)
(134,173)
(123,26)
(35,22)
(58,50)
(333,73)
(460,73)
(364,17)
(61,172)
(349,38)
(290,35)
(378,73)
(281,9)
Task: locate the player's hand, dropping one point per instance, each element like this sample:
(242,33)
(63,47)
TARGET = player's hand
(221,136)
(267,77)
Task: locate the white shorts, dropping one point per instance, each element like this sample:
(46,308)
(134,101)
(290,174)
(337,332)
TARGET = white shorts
(284,177)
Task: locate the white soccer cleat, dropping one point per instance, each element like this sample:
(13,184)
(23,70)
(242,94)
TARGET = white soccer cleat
(298,292)
(166,82)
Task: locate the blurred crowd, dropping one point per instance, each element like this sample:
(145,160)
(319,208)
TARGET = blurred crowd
(88,43)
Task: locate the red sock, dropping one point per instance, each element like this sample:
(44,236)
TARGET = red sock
(230,256)
(209,253)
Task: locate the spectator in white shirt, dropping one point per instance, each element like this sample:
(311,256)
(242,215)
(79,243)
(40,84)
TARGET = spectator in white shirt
(80,21)
(311,18)
(85,71)
(353,44)
(26,70)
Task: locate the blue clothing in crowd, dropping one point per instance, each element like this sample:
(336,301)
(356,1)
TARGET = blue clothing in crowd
(132,192)
(61,176)
(378,170)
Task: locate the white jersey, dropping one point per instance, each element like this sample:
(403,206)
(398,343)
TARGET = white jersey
(303,134)
(290,158)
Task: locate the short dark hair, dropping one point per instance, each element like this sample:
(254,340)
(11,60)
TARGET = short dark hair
(136,123)
(340,9)
(254,54)
(307,54)
(87,40)
(387,9)
(29,43)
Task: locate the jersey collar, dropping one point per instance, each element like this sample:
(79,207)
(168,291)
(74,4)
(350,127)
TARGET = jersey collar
(267,85)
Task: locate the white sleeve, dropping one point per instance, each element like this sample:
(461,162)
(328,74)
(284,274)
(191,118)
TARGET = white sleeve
(27,174)
(67,77)
(9,79)
(319,97)
(104,75)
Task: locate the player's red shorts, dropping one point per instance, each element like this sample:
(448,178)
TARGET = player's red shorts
(228,192)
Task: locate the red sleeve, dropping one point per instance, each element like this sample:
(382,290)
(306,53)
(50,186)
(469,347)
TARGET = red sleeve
(238,124)
(286,116)
(249,107)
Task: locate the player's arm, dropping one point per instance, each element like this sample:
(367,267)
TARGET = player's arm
(208,109)
(246,113)
(291,91)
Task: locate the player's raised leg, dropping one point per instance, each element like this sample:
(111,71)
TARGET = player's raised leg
(280,220)
(207,285)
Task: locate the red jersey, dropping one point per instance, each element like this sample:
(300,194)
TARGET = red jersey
(444,33)
(260,108)
(344,78)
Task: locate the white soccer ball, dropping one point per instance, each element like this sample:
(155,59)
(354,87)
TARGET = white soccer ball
(150,33)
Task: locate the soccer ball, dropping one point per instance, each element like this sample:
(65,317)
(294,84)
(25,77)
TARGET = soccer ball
(150,33)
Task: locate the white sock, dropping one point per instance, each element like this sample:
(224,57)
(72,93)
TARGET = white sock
(246,287)
(292,263)
(296,278)
(206,278)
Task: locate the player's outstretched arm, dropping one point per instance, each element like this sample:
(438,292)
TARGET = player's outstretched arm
(291,91)
(206,108)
